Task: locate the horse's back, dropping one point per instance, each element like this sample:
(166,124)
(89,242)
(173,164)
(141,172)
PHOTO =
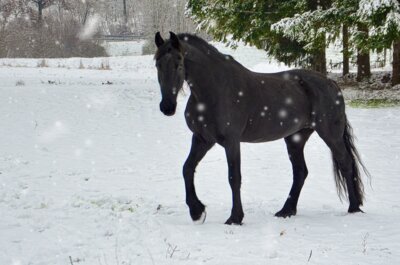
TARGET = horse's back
(286,102)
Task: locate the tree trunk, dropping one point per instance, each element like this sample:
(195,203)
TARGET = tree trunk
(40,9)
(318,58)
(363,63)
(346,52)
(86,15)
(318,61)
(396,63)
(125,13)
(125,18)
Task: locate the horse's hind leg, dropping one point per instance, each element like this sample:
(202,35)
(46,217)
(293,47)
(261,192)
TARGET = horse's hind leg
(345,160)
(295,146)
(198,150)
(346,174)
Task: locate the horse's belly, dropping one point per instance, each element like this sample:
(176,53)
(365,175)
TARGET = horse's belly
(265,129)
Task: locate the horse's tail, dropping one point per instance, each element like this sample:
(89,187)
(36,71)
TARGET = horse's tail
(356,162)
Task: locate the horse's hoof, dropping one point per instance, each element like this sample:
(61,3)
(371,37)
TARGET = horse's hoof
(286,213)
(201,219)
(355,210)
(232,221)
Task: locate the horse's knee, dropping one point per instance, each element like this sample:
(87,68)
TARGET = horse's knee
(300,177)
(305,172)
(300,170)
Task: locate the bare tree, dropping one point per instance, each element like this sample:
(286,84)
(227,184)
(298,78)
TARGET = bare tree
(42,4)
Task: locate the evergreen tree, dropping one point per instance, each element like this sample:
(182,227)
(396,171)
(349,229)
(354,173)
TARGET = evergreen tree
(251,20)
(383,17)
(346,17)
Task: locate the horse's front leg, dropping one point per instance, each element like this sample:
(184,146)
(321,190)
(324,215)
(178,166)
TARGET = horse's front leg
(232,150)
(198,150)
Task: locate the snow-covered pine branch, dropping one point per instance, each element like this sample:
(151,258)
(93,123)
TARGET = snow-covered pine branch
(306,27)
(371,8)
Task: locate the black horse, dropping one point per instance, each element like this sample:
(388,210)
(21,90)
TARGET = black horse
(229,104)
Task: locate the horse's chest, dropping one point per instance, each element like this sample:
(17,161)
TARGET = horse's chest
(200,120)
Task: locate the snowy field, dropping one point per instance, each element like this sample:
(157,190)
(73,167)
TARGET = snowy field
(90,173)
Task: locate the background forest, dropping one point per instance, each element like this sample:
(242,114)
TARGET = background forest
(296,33)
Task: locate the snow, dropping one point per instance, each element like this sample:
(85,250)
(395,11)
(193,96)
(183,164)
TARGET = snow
(90,173)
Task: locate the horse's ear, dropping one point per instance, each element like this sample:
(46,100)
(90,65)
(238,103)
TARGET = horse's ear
(174,40)
(159,40)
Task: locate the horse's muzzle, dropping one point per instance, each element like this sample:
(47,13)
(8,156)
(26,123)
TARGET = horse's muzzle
(168,108)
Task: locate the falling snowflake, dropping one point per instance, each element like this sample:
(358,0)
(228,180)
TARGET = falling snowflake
(282,114)
(201,107)
(88,142)
(90,28)
(286,76)
(296,138)
(78,152)
(240,93)
(58,124)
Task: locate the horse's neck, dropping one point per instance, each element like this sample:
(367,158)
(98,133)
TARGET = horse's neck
(201,73)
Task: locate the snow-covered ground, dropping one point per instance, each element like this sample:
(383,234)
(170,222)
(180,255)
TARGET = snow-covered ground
(90,173)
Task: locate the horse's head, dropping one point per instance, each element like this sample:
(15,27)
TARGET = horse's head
(171,72)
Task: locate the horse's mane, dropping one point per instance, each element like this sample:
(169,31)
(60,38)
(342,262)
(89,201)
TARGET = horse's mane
(203,45)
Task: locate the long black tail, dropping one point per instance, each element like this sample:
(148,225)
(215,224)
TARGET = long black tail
(356,162)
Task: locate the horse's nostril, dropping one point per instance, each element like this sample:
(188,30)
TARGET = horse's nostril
(167,108)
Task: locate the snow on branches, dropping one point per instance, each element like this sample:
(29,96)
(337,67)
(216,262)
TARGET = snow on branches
(306,27)
(386,12)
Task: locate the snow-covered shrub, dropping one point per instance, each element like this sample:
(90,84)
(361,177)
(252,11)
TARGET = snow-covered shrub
(42,63)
